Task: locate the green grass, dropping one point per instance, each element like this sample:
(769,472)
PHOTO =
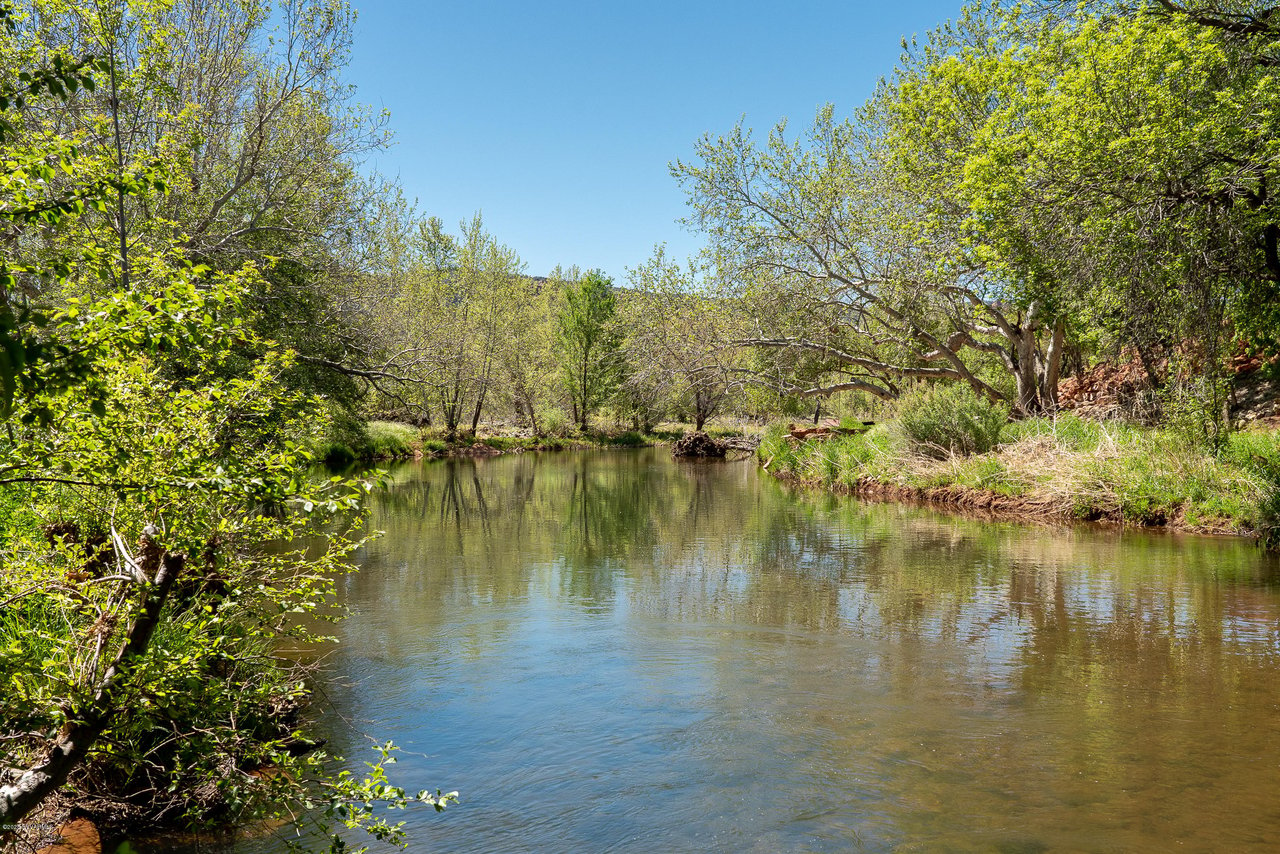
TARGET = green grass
(389,440)
(434,446)
(629,439)
(509,443)
(1069,467)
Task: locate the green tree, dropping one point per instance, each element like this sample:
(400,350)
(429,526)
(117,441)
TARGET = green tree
(452,307)
(148,491)
(1022,183)
(245,108)
(682,335)
(588,344)
(1114,168)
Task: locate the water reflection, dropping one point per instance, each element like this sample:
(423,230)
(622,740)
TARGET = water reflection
(612,651)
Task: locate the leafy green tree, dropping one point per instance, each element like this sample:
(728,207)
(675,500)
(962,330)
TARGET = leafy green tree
(150,491)
(245,111)
(526,353)
(452,307)
(1103,185)
(682,336)
(588,344)
(1021,184)
(808,231)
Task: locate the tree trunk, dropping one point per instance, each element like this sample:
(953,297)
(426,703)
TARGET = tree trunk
(79,734)
(475,418)
(1025,374)
(1053,366)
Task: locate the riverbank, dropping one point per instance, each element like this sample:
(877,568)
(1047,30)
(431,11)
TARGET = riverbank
(1064,468)
(389,441)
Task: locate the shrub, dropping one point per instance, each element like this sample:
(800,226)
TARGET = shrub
(950,419)
(345,439)
(1259,454)
(773,448)
(389,440)
(335,455)
(553,422)
(629,439)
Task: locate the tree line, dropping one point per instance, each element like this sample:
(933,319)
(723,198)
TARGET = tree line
(199,282)
(1032,186)
(474,338)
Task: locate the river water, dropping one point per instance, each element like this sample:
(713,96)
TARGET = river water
(614,651)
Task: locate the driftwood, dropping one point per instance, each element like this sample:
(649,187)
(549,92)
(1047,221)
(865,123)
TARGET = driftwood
(697,444)
(701,445)
(802,433)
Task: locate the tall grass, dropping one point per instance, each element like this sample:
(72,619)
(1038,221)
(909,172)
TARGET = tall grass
(943,420)
(388,440)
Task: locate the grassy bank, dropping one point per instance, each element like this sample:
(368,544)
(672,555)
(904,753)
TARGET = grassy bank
(1064,468)
(382,441)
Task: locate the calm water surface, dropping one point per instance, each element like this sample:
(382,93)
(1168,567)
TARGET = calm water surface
(617,652)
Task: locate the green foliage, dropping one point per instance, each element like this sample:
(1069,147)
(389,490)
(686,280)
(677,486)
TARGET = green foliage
(950,419)
(1068,467)
(434,446)
(1095,178)
(679,349)
(1194,407)
(148,424)
(205,459)
(1260,454)
(462,302)
(588,344)
(629,439)
(355,801)
(554,423)
(391,441)
(1066,431)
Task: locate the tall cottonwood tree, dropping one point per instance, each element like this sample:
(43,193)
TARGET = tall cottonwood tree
(1018,182)
(1120,175)
(453,308)
(811,233)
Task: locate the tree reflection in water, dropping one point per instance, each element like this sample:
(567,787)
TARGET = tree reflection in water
(695,656)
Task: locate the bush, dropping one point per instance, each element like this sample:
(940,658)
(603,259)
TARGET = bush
(629,439)
(950,419)
(1259,453)
(335,455)
(345,439)
(434,446)
(553,422)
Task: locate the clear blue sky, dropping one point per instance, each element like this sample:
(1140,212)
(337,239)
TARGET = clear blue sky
(557,120)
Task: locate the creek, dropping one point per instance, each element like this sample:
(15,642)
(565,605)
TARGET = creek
(615,651)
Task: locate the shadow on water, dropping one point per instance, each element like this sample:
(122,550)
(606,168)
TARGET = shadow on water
(616,652)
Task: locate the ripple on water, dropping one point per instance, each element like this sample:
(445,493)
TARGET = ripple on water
(614,653)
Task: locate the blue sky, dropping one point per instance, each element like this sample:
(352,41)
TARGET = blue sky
(557,120)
